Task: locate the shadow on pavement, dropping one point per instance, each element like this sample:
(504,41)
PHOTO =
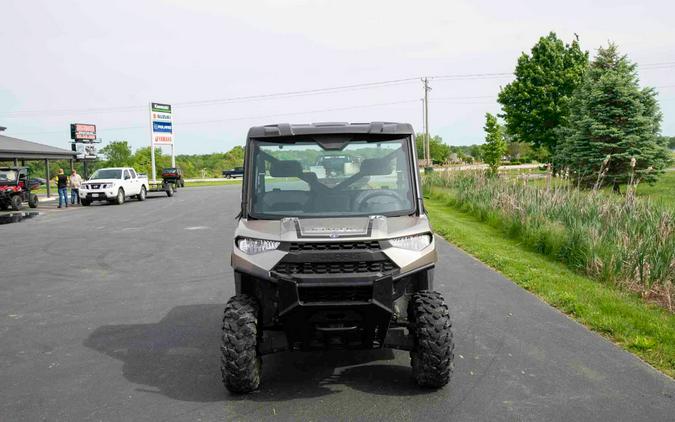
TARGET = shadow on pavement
(179,357)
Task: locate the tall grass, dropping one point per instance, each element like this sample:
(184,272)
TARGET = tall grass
(623,240)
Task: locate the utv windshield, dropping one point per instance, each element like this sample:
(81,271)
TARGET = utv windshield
(336,179)
(107,174)
(8,176)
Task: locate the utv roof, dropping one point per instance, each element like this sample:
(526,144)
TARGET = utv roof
(330,128)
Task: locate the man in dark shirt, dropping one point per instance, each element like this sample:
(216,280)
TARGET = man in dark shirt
(62,185)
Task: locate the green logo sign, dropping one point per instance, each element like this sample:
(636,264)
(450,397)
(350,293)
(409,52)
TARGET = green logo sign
(161,108)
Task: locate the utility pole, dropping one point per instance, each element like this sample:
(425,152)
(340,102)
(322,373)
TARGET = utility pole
(427,152)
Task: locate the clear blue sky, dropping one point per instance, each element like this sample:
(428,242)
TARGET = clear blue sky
(64,60)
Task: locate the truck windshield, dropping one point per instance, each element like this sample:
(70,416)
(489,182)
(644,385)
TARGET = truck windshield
(304,179)
(107,174)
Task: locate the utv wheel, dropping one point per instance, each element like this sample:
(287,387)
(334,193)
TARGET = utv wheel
(119,199)
(33,200)
(16,203)
(141,196)
(241,364)
(432,357)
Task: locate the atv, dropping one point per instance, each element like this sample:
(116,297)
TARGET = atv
(15,188)
(340,261)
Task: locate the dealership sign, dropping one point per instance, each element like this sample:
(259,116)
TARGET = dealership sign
(81,132)
(161,121)
(85,151)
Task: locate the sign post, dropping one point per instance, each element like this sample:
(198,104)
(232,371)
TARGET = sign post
(161,132)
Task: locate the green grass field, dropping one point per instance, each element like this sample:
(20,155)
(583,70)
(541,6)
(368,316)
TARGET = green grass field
(663,191)
(645,330)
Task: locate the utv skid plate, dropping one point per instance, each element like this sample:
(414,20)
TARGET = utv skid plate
(313,321)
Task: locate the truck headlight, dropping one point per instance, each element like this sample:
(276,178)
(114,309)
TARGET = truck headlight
(413,243)
(255,246)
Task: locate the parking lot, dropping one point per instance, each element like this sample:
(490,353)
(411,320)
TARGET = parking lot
(113,313)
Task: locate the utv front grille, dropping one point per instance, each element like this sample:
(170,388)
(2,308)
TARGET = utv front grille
(335,294)
(291,268)
(334,246)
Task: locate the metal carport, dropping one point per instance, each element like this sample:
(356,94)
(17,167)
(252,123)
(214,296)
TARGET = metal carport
(15,149)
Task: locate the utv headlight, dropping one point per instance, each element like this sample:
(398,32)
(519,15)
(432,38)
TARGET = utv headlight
(413,243)
(255,246)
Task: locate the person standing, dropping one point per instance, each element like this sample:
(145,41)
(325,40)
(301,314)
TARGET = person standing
(62,186)
(75,183)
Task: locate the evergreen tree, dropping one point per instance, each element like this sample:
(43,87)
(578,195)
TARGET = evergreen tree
(537,101)
(495,145)
(613,125)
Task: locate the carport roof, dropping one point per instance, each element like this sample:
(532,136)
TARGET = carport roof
(11,148)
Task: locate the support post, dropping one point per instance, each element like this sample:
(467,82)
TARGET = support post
(47,177)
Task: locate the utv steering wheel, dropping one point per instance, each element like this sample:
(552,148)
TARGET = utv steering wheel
(361,201)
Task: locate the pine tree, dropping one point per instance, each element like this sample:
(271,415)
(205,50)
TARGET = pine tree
(613,125)
(495,145)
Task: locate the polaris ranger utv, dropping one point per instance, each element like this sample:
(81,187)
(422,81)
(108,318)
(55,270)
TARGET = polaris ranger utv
(328,259)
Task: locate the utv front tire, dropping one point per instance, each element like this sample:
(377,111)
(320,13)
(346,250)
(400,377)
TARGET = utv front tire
(432,357)
(241,363)
(16,203)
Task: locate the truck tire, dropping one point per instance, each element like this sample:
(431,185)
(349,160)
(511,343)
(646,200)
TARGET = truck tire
(16,203)
(141,196)
(241,365)
(33,200)
(169,191)
(3,206)
(119,199)
(85,202)
(228,176)
(432,357)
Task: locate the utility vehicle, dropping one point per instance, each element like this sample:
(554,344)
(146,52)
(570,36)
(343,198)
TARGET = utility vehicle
(341,261)
(173,175)
(15,188)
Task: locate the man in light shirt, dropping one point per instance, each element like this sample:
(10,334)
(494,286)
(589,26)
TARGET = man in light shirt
(75,183)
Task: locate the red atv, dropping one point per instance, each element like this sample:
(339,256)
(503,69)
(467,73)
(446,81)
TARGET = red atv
(15,188)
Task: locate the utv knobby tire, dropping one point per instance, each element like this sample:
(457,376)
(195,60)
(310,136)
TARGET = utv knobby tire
(432,357)
(33,200)
(240,361)
(16,202)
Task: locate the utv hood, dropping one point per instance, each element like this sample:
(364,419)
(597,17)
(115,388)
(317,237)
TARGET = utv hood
(348,228)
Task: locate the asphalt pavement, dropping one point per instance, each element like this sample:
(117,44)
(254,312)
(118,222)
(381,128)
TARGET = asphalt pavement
(113,313)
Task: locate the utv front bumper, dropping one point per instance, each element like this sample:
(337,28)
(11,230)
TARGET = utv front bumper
(320,296)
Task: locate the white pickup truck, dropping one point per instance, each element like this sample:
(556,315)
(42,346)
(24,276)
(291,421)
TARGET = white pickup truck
(114,185)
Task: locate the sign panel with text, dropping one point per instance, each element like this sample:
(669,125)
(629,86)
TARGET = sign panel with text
(161,124)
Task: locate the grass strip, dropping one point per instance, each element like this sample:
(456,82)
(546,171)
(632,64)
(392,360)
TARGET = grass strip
(645,330)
